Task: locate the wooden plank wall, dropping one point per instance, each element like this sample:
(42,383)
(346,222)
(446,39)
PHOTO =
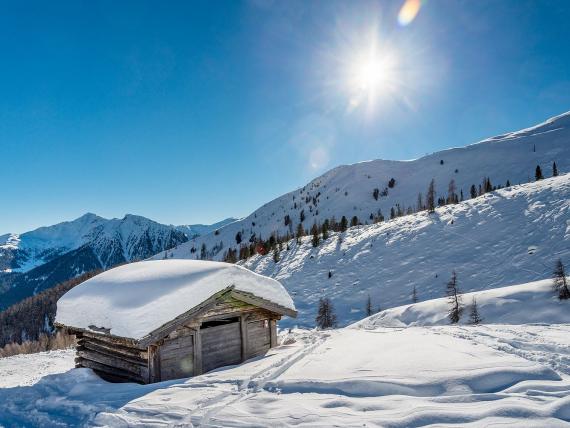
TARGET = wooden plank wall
(113,358)
(177,357)
(221,346)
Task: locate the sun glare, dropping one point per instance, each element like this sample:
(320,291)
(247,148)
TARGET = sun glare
(369,77)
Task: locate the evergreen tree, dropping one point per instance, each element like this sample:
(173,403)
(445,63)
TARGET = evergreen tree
(461,196)
(369,310)
(325,230)
(474,317)
(343,224)
(392,213)
(276,256)
(451,195)
(508,183)
(454,300)
(300,232)
(375,193)
(203,252)
(554,169)
(354,221)
(430,197)
(560,281)
(302,216)
(414,295)
(538,173)
(420,203)
(473,191)
(326,317)
(316,238)
(238,238)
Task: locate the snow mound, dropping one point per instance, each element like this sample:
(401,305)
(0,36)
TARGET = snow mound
(534,302)
(135,299)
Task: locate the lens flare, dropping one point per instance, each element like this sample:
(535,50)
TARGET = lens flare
(408,12)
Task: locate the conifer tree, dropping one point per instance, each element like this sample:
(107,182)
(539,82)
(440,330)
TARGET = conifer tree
(451,195)
(276,256)
(392,213)
(474,317)
(454,300)
(354,221)
(343,224)
(316,238)
(238,238)
(326,317)
(420,203)
(560,281)
(325,230)
(508,183)
(430,197)
(538,173)
(554,169)
(369,310)
(375,193)
(300,232)
(473,191)
(414,295)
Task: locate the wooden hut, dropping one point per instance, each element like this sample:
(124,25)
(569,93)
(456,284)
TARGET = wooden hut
(166,319)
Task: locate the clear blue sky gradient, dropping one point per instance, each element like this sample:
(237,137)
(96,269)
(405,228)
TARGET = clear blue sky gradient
(190,112)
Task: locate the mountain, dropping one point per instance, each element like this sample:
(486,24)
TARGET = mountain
(37,260)
(349,190)
(509,236)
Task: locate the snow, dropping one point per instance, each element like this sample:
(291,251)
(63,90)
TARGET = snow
(135,299)
(510,236)
(28,369)
(535,302)
(387,377)
(347,189)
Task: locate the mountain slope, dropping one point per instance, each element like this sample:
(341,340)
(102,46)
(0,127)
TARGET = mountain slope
(348,190)
(505,237)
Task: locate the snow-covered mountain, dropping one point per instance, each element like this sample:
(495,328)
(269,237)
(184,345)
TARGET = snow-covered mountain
(505,237)
(349,190)
(41,258)
(113,240)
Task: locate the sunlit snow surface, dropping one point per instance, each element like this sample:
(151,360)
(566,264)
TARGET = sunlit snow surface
(363,375)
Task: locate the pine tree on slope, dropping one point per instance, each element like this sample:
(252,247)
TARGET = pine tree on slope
(560,281)
(454,300)
(474,317)
(554,169)
(369,310)
(538,173)
(430,197)
(326,317)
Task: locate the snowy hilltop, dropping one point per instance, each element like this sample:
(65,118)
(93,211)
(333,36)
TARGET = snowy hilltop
(371,190)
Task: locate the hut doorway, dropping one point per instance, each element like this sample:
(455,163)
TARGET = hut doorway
(221,343)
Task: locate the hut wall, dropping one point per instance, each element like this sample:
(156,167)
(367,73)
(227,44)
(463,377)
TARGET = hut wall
(112,358)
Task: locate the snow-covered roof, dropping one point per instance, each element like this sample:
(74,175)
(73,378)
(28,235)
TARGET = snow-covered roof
(135,299)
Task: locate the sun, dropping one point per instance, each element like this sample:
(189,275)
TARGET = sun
(369,77)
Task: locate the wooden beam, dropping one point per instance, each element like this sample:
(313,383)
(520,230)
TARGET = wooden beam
(135,357)
(154,374)
(263,303)
(197,352)
(273,332)
(120,365)
(111,371)
(243,330)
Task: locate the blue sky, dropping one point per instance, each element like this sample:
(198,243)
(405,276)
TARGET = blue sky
(190,112)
